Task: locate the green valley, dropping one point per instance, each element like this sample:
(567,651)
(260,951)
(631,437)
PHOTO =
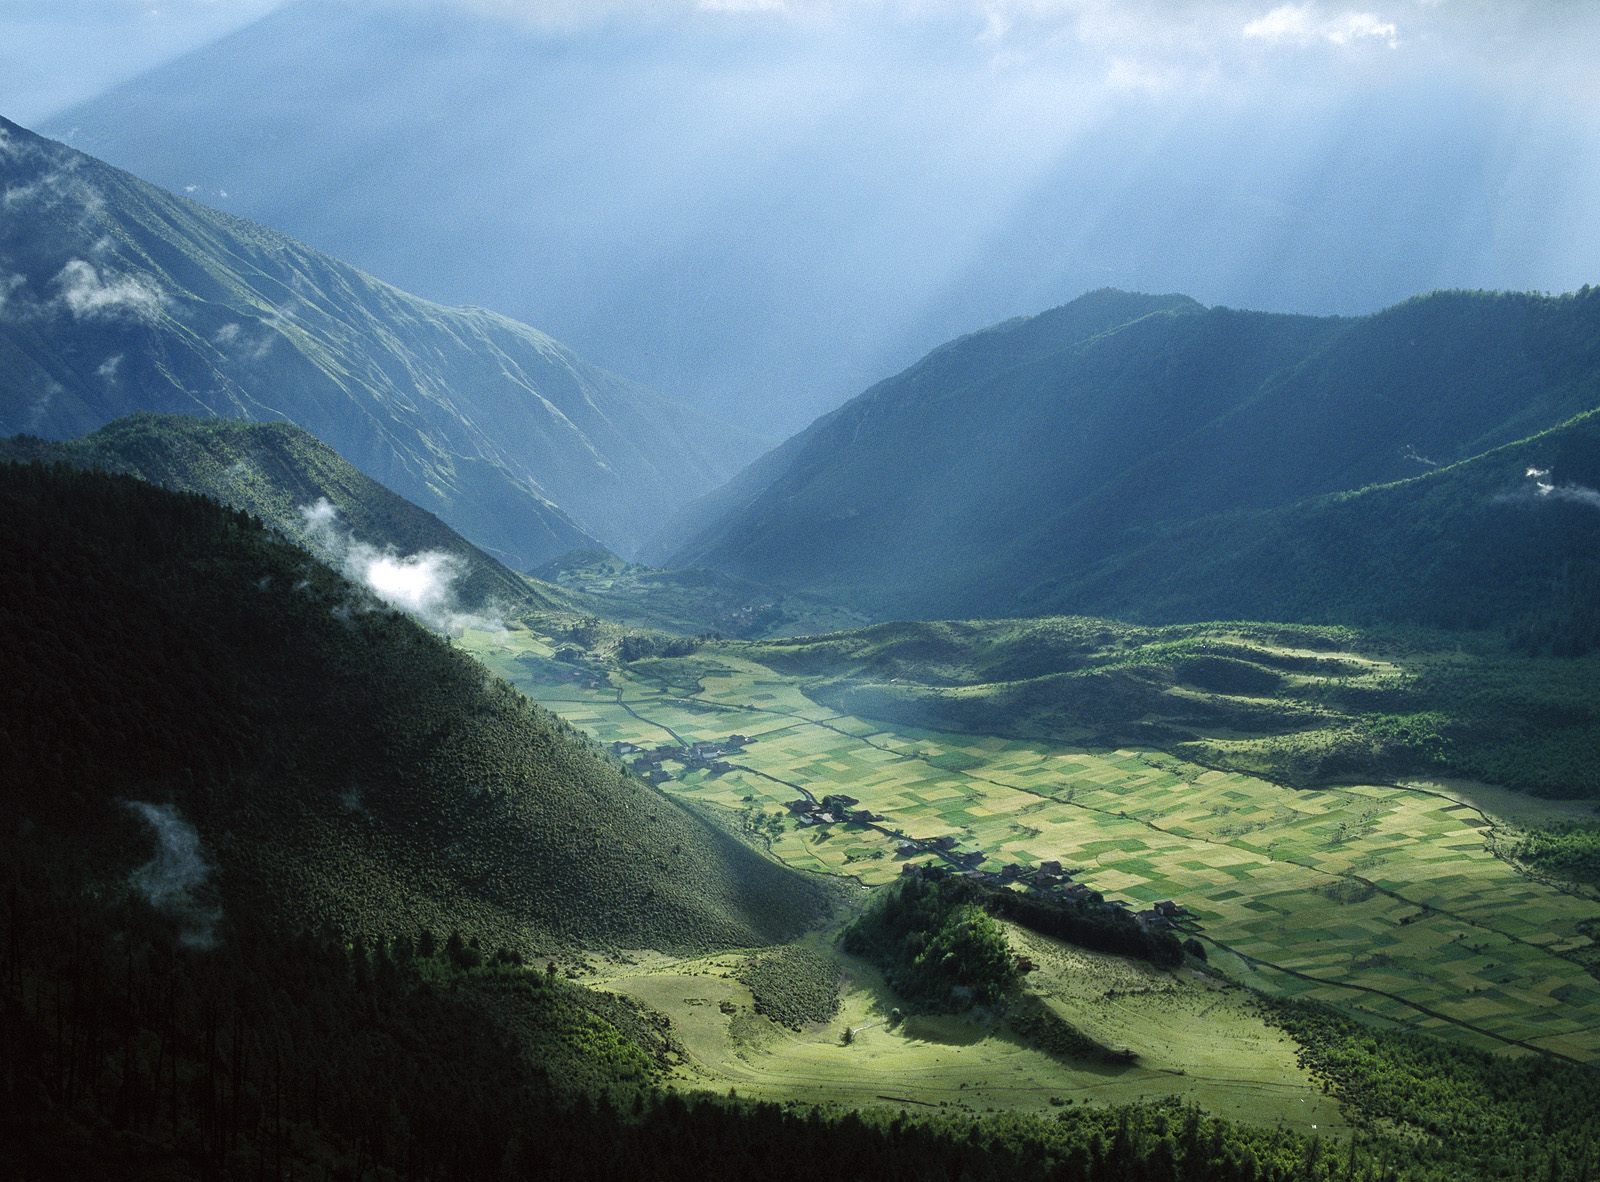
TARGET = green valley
(1384,898)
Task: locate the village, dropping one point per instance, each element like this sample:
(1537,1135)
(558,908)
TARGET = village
(1048,880)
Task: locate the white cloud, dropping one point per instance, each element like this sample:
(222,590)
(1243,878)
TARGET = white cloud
(109,367)
(90,295)
(1307,24)
(170,879)
(8,285)
(423,584)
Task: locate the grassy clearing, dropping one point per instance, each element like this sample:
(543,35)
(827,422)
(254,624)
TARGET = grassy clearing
(1196,1038)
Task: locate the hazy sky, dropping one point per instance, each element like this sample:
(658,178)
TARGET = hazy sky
(764,205)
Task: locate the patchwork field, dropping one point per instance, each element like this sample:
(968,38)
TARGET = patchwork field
(1380,898)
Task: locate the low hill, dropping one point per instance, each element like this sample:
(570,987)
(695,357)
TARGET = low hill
(1296,704)
(1001,472)
(178,678)
(279,473)
(117,296)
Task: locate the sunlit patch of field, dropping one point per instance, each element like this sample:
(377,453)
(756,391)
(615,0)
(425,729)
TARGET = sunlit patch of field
(1196,1038)
(1381,898)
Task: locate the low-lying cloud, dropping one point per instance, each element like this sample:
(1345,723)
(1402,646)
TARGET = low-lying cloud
(1546,489)
(90,294)
(424,585)
(170,880)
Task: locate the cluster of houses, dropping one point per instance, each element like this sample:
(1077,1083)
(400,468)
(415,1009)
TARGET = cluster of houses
(830,810)
(588,677)
(1048,880)
(708,756)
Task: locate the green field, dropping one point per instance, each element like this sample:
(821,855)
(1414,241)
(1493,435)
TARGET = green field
(1384,899)
(1195,1038)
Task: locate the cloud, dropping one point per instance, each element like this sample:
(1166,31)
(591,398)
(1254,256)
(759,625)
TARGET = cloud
(109,367)
(1306,24)
(423,584)
(1577,494)
(10,284)
(90,295)
(169,880)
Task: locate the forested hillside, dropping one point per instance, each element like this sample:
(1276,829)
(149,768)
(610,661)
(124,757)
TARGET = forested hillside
(278,472)
(177,680)
(1507,541)
(992,480)
(117,296)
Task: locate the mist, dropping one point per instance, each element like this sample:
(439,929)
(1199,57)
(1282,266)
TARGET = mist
(168,881)
(424,584)
(765,208)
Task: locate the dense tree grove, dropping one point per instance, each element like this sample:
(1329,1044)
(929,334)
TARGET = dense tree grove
(1570,852)
(937,947)
(1459,1112)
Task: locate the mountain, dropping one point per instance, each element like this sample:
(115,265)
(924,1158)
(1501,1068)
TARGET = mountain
(1509,539)
(754,214)
(173,670)
(119,296)
(998,473)
(280,473)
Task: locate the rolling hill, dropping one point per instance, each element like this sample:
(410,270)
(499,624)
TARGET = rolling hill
(117,296)
(997,473)
(175,669)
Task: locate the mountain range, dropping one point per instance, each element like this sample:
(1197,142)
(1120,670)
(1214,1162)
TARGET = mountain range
(116,296)
(1149,458)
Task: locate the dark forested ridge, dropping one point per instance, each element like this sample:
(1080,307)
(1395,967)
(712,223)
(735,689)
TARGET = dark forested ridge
(120,296)
(275,471)
(172,670)
(1167,464)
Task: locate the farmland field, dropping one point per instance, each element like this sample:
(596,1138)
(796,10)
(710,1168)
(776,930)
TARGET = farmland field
(1380,898)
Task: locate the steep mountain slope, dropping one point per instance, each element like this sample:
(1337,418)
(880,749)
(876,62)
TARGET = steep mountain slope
(1507,539)
(117,296)
(173,669)
(956,487)
(279,472)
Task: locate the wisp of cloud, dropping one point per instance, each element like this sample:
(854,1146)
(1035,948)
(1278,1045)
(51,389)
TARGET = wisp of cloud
(168,881)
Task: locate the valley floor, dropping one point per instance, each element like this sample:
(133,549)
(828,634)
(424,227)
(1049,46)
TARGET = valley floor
(1381,898)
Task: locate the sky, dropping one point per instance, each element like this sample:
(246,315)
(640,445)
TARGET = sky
(762,206)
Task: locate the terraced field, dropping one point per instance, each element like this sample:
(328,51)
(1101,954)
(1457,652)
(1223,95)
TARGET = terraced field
(1382,898)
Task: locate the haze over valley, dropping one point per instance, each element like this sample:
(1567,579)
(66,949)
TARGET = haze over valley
(793,589)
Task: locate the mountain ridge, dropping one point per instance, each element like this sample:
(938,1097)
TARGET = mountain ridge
(957,496)
(120,296)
